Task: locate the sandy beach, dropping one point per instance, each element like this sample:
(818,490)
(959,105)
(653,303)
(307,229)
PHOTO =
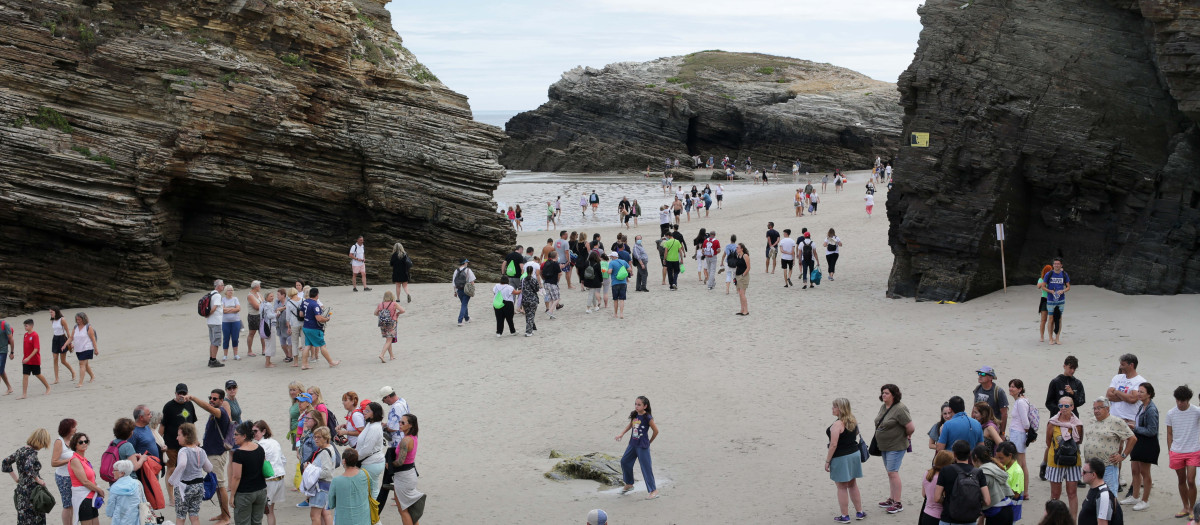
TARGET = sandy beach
(742,402)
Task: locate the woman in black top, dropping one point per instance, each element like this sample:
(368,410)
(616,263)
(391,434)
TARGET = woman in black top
(595,284)
(401,264)
(741,265)
(247,482)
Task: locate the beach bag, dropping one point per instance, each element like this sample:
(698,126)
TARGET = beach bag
(965,504)
(498,301)
(41,499)
(204,306)
(1067,453)
(210,486)
(371,501)
(385,316)
(812,208)
(815,277)
(469,289)
(110,457)
(864,452)
(622,274)
(511,271)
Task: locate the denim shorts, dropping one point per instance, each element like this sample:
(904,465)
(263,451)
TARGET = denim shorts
(892,460)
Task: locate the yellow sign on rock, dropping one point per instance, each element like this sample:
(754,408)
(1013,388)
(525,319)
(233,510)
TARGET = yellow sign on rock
(918,140)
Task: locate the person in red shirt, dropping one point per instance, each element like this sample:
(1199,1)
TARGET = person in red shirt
(31,364)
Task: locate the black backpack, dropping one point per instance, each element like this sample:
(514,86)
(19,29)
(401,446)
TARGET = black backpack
(965,503)
(806,248)
(460,279)
(299,310)
(1067,453)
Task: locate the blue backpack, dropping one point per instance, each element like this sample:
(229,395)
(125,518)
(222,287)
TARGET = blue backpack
(210,486)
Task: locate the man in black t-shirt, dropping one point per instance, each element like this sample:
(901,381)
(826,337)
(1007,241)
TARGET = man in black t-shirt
(175,413)
(1100,506)
(946,478)
(550,272)
(517,261)
(772,248)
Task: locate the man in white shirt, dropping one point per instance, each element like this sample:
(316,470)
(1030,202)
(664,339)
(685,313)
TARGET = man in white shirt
(787,256)
(358,264)
(1183,439)
(1123,392)
(214,323)
(397,407)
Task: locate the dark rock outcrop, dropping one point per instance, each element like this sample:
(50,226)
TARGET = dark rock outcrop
(148,147)
(631,115)
(1073,123)
(596,466)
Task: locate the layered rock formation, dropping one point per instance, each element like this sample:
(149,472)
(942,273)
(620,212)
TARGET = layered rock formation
(774,109)
(149,147)
(1073,123)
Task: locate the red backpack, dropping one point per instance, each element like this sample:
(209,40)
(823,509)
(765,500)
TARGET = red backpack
(110,457)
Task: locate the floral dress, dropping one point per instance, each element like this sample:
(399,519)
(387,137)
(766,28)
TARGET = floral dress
(28,474)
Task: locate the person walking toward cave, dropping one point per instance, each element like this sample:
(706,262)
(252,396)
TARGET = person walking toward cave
(401,266)
(358,263)
(83,343)
(594,200)
(870,202)
(1056,283)
(832,244)
(1043,311)
(58,350)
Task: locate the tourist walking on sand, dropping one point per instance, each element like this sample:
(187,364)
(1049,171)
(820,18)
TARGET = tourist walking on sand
(186,481)
(401,267)
(729,261)
(619,270)
(772,251)
(58,345)
(1145,450)
(893,436)
(1023,418)
(31,361)
(594,201)
(720,193)
(741,278)
(315,317)
(842,460)
(529,300)
(503,303)
(808,259)
(267,320)
(870,202)
(1061,428)
(254,300)
(463,280)
(701,262)
(798,203)
(512,217)
(644,432)
(1056,283)
(358,263)
(231,323)
(673,254)
(387,311)
(1042,309)
(83,343)
(551,220)
(519,218)
(1183,443)
(832,243)
(640,260)
(787,256)
(824,182)
(27,475)
(550,273)
(664,219)
(931,513)
(710,249)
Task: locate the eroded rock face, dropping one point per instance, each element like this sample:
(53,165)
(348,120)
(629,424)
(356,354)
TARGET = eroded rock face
(1074,124)
(147,148)
(631,115)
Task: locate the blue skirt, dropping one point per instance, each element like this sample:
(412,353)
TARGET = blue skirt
(846,468)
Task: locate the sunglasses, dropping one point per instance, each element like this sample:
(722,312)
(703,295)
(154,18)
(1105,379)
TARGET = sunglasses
(84,442)
(1064,406)
(214,398)
(983,374)
(1087,472)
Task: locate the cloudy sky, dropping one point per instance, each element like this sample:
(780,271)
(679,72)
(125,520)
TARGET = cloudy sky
(503,55)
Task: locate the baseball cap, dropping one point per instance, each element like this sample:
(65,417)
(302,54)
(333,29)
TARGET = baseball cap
(986,370)
(807,234)
(597,517)
(181,388)
(612,254)
(230,384)
(305,397)
(464,261)
(386,391)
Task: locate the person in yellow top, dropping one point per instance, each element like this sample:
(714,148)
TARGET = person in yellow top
(673,249)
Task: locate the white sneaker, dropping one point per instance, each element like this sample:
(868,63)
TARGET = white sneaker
(1130,500)
(1141,505)
(588,311)
(237,358)
(499,335)
(224,358)
(529,334)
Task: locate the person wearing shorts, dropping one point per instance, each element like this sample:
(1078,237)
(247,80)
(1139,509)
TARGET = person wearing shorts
(214,323)
(1183,440)
(358,264)
(893,428)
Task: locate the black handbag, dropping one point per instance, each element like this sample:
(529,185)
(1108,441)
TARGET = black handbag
(874,448)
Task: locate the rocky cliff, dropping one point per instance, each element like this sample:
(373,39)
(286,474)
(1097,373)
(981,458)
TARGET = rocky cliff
(775,109)
(1074,123)
(148,147)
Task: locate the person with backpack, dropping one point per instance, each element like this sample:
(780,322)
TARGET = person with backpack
(808,260)
(620,271)
(210,307)
(843,461)
(1064,432)
(710,249)
(387,311)
(529,300)
(218,440)
(511,267)
(120,448)
(463,281)
(401,267)
(503,303)
(358,264)
(1000,495)
(1100,507)
(1056,283)
(961,489)
(187,479)
(594,200)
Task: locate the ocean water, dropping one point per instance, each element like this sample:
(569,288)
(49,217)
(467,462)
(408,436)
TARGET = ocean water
(495,117)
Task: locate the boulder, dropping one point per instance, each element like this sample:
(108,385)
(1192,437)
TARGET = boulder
(711,103)
(681,174)
(720,175)
(150,147)
(1074,124)
(596,466)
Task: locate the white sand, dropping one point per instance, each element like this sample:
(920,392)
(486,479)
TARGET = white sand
(742,403)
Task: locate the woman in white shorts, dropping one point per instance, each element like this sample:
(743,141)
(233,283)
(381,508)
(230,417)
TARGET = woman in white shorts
(1022,418)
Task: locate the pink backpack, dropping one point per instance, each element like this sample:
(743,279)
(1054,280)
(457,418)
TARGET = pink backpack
(110,457)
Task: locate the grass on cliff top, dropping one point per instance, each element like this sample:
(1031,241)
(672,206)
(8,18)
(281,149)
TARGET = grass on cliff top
(722,61)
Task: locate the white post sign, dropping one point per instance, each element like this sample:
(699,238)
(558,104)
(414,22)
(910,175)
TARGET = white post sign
(1003,270)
